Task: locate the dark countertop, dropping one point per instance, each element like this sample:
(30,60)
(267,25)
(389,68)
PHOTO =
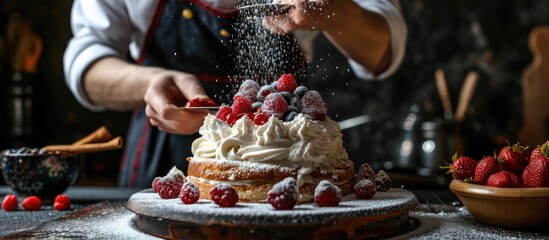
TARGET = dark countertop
(100,213)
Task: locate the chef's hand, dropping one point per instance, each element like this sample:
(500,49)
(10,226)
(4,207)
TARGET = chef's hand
(306,15)
(169,89)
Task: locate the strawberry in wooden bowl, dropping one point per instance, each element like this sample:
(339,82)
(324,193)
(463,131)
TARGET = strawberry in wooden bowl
(509,190)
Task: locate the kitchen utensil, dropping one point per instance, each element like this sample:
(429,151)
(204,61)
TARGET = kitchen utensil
(466,95)
(521,208)
(535,85)
(385,214)
(211,108)
(265,9)
(443,93)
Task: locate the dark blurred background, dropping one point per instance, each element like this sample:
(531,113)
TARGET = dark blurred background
(489,37)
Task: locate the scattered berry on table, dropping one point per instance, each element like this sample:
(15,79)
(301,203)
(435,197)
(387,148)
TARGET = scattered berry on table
(32,203)
(9,203)
(224,195)
(284,194)
(327,194)
(62,202)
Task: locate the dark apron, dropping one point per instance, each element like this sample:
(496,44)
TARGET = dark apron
(189,36)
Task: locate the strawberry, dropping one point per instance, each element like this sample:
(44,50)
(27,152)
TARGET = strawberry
(286,83)
(487,166)
(536,173)
(500,179)
(201,102)
(9,203)
(462,167)
(170,185)
(537,153)
(514,158)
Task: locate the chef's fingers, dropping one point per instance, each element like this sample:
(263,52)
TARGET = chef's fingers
(176,121)
(191,87)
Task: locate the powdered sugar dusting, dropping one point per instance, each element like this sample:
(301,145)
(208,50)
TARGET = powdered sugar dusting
(206,212)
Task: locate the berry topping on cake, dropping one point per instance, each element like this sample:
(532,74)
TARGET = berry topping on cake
(275,105)
(9,203)
(223,113)
(62,202)
(189,193)
(286,83)
(364,189)
(300,91)
(169,186)
(312,105)
(241,105)
(202,102)
(284,194)
(32,203)
(327,194)
(264,91)
(224,195)
(248,89)
(282,99)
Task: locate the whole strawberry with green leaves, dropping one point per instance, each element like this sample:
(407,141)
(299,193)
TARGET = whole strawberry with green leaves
(486,166)
(462,167)
(513,157)
(536,173)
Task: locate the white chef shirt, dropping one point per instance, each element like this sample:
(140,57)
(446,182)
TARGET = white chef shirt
(107,28)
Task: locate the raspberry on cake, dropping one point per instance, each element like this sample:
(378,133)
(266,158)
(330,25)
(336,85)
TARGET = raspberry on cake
(286,134)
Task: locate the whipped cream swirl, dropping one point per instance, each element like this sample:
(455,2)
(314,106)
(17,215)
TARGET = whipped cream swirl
(299,142)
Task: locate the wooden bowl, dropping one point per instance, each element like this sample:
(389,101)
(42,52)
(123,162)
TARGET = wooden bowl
(519,208)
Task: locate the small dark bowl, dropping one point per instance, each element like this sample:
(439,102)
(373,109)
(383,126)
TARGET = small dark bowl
(29,171)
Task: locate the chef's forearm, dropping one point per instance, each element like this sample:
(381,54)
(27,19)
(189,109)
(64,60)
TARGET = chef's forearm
(117,85)
(361,35)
